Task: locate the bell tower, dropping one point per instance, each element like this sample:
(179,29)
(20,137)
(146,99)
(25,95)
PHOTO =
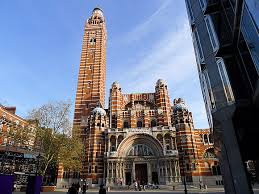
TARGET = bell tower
(92,71)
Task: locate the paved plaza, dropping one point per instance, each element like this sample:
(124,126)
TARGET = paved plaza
(192,191)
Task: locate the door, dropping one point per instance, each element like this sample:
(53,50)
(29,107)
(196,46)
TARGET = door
(154,177)
(141,173)
(128,178)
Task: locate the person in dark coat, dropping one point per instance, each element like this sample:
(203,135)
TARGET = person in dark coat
(72,190)
(102,190)
(84,189)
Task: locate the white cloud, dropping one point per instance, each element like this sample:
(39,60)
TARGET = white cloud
(171,58)
(143,28)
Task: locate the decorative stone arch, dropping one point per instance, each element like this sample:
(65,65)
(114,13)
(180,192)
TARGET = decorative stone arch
(140,138)
(120,139)
(159,137)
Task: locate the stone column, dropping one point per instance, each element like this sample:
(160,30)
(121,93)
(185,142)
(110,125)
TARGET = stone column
(109,145)
(164,147)
(116,172)
(112,170)
(116,142)
(133,171)
(149,173)
(159,175)
(172,143)
(177,167)
(108,173)
(171,172)
(166,173)
(122,173)
(120,170)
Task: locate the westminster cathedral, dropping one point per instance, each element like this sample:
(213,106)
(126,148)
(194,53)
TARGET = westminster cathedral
(145,137)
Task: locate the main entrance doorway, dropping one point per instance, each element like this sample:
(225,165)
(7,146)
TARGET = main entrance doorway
(141,173)
(128,178)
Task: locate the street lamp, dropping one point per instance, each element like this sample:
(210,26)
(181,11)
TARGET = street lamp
(181,154)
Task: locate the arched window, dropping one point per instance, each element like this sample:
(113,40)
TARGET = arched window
(153,123)
(126,124)
(139,124)
(205,138)
(92,41)
(113,143)
(168,141)
(160,138)
(211,138)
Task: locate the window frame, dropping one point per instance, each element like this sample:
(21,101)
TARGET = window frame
(227,85)
(208,90)
(212,33)
(189,12)
(197,46)
(203,4)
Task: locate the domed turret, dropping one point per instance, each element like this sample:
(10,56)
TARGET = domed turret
(179,105)
(160,82)
(115,85)
(99,111)
(98,12)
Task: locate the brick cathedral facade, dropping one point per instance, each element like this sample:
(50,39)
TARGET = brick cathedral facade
(141,136)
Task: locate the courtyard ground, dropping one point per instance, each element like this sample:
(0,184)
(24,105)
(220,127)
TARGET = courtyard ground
(165,191)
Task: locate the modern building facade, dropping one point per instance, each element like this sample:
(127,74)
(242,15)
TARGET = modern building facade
(141,136)
(226,44)
(17,142)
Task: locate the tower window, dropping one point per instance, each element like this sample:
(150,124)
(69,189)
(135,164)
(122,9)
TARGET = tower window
(139,124)
(205,139)
(153,123)
(95,169)
(92,41)
(126,124)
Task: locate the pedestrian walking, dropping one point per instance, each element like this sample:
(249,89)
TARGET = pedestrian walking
(84,188)
(72,189)
(136,185)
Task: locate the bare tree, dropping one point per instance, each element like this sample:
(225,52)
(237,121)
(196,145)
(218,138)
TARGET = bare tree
(53,135)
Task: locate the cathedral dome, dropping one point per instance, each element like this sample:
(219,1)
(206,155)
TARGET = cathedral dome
(116,84)
(98,11)
(179,105)
(99,111)
(160,82)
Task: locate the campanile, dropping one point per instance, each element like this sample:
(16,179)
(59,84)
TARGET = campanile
(92,72)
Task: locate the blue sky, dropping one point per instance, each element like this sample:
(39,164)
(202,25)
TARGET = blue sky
(40,48)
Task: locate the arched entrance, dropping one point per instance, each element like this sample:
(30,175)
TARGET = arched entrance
(136,159)
(140,156)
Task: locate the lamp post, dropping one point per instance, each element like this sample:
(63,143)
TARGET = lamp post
(184,176)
